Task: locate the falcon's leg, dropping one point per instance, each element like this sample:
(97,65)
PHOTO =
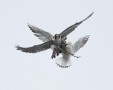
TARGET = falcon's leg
(53,54)
(56,51)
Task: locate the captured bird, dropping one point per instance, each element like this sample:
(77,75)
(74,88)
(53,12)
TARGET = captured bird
(49,40)
(65,61)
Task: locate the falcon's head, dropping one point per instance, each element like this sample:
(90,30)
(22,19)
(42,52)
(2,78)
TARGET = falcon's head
(56,37)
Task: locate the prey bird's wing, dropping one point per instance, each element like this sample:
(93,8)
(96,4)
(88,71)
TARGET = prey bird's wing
(35,48)
(41,34)
(72,28)
(80,43)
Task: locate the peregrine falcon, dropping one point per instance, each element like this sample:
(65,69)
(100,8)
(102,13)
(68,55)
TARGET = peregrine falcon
(49,40)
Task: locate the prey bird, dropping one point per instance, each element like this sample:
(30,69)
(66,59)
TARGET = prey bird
(64,61)
(49,41)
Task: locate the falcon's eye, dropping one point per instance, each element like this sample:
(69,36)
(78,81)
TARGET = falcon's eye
(58,36)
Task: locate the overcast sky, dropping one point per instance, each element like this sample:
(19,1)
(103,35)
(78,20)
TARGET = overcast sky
(21,71)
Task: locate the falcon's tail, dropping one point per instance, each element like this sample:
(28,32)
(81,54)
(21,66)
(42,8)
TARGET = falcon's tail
(63,63)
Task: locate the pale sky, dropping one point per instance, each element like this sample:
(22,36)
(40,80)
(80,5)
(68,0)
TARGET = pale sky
(21,71)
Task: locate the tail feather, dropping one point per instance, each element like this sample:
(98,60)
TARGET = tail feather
(63,63)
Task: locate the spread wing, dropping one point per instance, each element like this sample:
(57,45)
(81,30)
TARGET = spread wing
(80,43)
(72,28)
(35,48)
(41,34)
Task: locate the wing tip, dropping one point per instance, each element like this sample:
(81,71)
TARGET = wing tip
(32,28)
(20,48)
(29,25)
(92,13)
(85,39)
(17,47)
(87,36)
(87,17)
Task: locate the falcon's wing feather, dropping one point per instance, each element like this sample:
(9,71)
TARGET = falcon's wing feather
(80,43)
(35,48)
(41,34)
(72,28)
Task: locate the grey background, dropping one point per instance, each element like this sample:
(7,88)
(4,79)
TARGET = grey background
(21,71)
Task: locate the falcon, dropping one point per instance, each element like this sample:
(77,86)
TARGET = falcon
(49,41)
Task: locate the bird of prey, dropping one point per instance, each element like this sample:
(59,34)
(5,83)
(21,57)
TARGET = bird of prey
(65,61)
(49,40)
